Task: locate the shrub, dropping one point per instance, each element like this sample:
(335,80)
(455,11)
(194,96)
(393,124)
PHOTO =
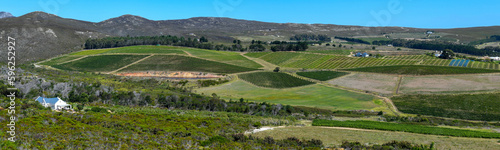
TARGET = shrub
(257,124)
(214,139)
(98,109)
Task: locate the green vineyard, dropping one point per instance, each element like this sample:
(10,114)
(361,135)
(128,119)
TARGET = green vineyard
(326,61)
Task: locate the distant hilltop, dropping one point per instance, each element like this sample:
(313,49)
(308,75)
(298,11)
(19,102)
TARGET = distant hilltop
(4,14)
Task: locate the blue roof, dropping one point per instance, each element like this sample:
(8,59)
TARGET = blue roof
(48,100)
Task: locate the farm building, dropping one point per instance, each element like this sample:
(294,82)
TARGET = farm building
(53,103)
(438,53)
(358,54)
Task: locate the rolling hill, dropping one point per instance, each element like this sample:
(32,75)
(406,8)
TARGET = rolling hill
(45,35)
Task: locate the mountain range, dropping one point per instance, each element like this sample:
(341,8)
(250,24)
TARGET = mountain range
(40,35)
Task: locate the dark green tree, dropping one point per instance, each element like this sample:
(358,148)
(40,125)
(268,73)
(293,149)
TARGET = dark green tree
(447,54)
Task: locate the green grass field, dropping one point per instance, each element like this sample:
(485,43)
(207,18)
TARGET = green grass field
(184,63)
(463,106)
(273,79)
(311,95)
(322,75)
(406,128)
(256,54)
(335,52)
(422,70)
(148,49)
(134,49)
(61,59)
(92,52)
(335,136)
(233,58)
(102,63)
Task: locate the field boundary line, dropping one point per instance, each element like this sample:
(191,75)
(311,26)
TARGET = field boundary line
(130,64)
(265,65)
(189,54)
(398,84)
(264,54)
(73,60)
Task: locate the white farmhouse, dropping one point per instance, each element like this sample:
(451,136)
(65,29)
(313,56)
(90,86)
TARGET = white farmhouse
(53,103)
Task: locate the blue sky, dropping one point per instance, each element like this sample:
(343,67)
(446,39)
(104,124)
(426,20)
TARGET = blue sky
(407,13)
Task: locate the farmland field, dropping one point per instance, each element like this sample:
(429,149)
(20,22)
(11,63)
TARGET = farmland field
(102,63)
(319,61)
(91,52)
(148,49)
(450,84)
(184,63)
(422,70)
(311,95)
(406,128)
(379,83)
(322,75)
(273,79)
(233,58)
(61,59)
(257,54)
(335,52)
(335,136)
(463,106)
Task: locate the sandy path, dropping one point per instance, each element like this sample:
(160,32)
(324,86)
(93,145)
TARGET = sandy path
(266,65)
(130,64)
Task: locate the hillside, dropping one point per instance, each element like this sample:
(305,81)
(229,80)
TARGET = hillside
(5,15)
(41,35)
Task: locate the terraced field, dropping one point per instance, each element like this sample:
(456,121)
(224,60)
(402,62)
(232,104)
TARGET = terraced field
(184,63)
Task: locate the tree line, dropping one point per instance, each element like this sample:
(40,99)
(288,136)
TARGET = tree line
(284,46)
(110,42)
(353,40)
(311,37)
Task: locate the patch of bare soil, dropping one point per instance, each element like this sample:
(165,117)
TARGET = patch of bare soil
(368,82)
(429,84)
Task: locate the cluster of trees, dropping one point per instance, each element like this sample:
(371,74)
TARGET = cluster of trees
(311,37)
(110,42)
(283,46)
(438,45)
(353,40)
